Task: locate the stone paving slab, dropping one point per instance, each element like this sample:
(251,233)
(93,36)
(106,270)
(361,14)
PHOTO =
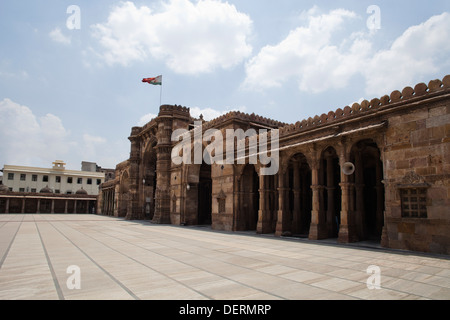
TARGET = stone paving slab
(126,260)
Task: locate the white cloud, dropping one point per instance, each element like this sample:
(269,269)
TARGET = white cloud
(311,56)
(146,119)
(189,37)
(57,36)
(210,114)
(420,50)
(27,139)
(305,54)
(38,141)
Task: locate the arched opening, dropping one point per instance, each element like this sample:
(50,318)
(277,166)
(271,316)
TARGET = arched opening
(123,195)
(300,195)
(369,190)
(204,195)
(330,176)
(249,199)
(149,182)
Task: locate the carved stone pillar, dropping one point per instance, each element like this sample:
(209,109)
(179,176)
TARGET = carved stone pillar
(318,229)
(380,197)
(134,210)
(264,221)
(163,165)
(283,214)
(347,232)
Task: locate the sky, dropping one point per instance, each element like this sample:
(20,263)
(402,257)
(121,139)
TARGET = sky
(71,71)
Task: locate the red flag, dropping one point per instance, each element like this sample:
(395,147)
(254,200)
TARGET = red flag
(157,81)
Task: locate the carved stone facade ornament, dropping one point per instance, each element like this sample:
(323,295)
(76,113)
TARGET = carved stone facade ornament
(412,179)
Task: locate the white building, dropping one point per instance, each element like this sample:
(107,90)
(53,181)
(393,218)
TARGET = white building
(57,179)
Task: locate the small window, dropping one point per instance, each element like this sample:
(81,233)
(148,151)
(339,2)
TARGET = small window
(70,180)
(23,177)
(21,189)
(99,182)
(33,190)
(58,179)
(10,176)
(89,181)
(57,191)
(414,202)
(34,177)
(80,181)
(45,178)
(69,192)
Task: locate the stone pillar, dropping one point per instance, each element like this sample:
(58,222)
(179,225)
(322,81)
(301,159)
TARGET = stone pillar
(237,205)
(380,199)
(53,206)
(7,205)
(134,210)
(39,206)
(264,222)
(283,213)
(75,207)
(347,232)
(316,231)
(163,165)
(330,195)
(66,203)
(23,205)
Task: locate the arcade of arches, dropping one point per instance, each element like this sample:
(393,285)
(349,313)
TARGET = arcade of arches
(375,171)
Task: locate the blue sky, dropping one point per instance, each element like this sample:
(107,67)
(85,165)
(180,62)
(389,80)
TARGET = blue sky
(74,94)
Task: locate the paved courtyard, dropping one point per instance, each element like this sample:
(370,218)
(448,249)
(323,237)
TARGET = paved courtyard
(117,259)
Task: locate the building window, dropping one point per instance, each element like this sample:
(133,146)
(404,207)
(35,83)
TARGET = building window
(45,178)
(10,176)
(21,189)
(89,181)
(58,179)
(69,192)
(80,181)
(99,182)
(414,202)
(23,177)
(33,190)
(34,177)
(69,180)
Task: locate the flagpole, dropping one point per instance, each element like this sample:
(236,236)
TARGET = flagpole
(160,96)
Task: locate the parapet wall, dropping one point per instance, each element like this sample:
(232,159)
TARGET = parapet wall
(408,94)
